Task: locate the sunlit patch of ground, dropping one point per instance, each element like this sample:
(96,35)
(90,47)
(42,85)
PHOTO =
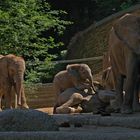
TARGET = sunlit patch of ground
(48,110)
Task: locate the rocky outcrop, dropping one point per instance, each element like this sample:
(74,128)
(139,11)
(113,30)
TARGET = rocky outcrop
(26,120)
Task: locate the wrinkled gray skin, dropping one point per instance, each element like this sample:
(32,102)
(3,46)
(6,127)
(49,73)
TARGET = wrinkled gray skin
(75,101)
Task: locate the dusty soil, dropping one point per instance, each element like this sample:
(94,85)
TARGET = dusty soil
(48,110)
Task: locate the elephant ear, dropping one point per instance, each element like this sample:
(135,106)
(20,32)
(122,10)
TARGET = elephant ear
(73,70)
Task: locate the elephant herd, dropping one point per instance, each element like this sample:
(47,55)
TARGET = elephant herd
(75,89)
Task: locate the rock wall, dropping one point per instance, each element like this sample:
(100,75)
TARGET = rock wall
(40,95)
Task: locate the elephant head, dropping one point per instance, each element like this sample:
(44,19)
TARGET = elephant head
(16,69)
(127,30)
(82,72)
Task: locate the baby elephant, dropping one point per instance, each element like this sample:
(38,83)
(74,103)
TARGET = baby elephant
(75,75)
(73,100)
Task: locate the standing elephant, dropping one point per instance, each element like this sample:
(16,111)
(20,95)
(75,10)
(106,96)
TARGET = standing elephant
(124,44)
(75,75)
(12,75)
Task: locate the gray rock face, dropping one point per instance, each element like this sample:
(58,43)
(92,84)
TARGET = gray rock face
(26,120)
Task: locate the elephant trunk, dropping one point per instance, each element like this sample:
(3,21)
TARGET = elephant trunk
(91,82)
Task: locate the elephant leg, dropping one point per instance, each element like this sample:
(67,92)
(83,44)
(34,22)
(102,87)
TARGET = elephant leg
(0,103)
(24,104)
(68,107)
(23,100)
(131,77)
(63,110)
(119,94)
(136,104)
(8,97)
(75,99)
(68,110)
(57,92)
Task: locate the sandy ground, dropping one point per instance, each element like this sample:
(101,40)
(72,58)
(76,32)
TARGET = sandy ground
(48,110)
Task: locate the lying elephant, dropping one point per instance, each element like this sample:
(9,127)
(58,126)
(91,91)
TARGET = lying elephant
(124,45)
(73,100)
(75,75)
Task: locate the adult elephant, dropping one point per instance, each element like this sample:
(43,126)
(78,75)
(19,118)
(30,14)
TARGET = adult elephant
(75,75)
(12,70)
(124,44)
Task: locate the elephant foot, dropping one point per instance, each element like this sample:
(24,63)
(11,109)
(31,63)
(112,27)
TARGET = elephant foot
(24,106)
(63,110)
(68,110)
(76,110)
(126,109)
(136,107)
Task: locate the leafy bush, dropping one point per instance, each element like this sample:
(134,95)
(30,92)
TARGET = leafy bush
(24,31)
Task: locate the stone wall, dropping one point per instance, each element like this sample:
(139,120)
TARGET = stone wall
(40,95)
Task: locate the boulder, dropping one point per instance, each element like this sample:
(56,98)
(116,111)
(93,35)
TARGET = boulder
(26,120)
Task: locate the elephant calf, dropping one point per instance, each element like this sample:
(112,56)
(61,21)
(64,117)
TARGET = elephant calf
(75,75)
(73,100)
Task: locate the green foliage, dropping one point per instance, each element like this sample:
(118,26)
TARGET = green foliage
(23,28)
(126,4)
(107,7)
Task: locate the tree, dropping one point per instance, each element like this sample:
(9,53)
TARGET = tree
(22,27)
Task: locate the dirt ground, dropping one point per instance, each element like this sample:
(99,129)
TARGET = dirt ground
(48,110)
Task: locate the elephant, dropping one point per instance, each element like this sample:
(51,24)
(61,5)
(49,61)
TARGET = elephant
(109,83)
(12,70)
(73,100)
(75,75)
(124,48)
(1,56)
